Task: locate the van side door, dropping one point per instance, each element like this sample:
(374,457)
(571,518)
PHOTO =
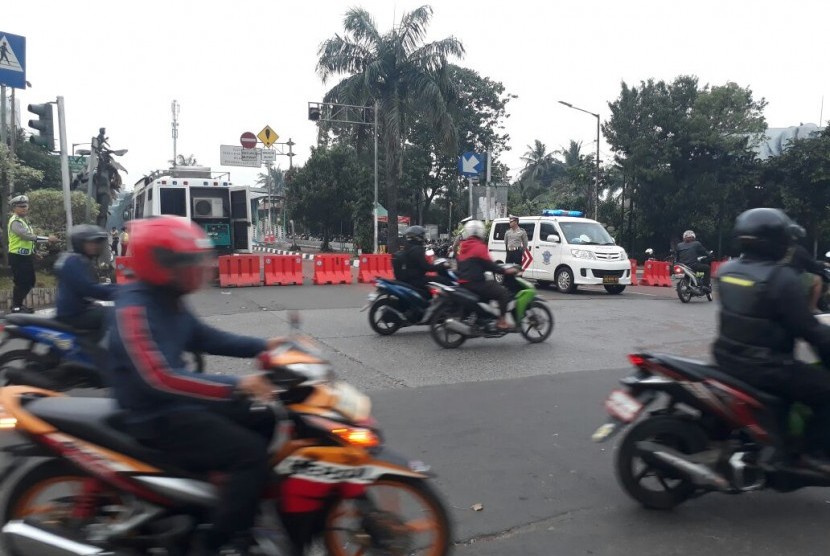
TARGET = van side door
(547,254)
(530,228)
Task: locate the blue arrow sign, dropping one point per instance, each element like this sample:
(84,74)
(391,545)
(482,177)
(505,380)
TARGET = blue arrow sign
(470,164)
(12,60)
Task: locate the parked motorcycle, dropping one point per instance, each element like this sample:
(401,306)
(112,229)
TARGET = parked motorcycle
(690,282)
(80,485)
(459,314)
(692,429)
(56,356)
(395,305)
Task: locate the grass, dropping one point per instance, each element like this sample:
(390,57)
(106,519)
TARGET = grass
(44,280)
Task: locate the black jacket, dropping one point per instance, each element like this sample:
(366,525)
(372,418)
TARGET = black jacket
(411,265)
(687,253)
(800,259)
(764,309)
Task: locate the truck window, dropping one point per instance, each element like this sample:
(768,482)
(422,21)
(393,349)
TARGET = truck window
(173,201)
(529,227)
(546,230)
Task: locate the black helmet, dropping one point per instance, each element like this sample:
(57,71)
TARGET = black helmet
(86,232)
(766,232)
(415,234)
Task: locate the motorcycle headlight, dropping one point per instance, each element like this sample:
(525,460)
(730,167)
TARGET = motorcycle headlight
(582,254)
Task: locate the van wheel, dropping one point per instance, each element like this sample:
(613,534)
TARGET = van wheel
(565,280)
(614,289)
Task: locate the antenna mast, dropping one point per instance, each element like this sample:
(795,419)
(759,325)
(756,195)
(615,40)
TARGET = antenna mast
(175,108)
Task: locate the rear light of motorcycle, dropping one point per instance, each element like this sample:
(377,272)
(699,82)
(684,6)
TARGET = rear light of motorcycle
(353,436)
(434,292)
(678,271)
(637,360)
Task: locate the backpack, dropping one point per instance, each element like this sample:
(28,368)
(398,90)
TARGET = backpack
(399,264)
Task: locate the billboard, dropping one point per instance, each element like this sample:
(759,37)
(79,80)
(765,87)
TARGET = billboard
(497,205)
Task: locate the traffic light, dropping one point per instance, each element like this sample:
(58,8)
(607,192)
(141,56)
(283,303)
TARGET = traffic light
(314,112)
(44,124)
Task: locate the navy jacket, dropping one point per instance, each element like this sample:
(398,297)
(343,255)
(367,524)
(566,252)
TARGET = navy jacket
(78,286)
(153,328)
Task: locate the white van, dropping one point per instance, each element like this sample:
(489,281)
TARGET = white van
(568,250)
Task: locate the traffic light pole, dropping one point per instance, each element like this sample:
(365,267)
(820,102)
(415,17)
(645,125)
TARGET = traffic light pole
(67,199)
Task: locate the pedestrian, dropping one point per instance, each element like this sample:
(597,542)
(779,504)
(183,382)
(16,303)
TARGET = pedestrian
(114,241)
(515,241)
(22,242)
(125,241)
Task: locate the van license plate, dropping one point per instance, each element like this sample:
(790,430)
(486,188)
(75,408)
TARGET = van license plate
(607,279)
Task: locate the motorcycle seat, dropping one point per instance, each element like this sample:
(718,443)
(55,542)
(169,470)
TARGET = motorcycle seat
(699,371)
(23,319)
(97,421)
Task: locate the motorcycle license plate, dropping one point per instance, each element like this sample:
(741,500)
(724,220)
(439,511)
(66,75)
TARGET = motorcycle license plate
(607,279)
(623,406)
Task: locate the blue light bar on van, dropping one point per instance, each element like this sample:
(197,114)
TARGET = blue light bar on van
(560,212)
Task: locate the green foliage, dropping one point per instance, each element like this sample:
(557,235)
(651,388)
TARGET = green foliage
(38,158)
(407,77)
(16,171)
(331,188)
(47,215)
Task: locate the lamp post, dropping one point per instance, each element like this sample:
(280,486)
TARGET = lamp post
(596,175)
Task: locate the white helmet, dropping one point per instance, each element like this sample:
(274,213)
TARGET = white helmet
(19,200)
(689,234)
(474,228)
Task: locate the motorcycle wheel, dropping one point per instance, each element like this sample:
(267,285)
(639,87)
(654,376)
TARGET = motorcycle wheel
(656,487)
(537,324)
(408,518)
(376,317)
(44,493)
(442,336)
(683,291)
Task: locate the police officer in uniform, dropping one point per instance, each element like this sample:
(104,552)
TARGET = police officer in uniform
(22,242)
(764,309)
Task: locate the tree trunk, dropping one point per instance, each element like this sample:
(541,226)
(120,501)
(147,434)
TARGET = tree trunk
(392,197)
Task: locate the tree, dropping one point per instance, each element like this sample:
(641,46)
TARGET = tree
(40,159)
(331,188)
(406,77)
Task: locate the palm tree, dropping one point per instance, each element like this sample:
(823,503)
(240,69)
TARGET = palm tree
(405,76)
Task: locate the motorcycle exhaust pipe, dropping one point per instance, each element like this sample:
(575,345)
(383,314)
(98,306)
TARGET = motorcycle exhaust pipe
(34,539)
(458,327)
(700,474)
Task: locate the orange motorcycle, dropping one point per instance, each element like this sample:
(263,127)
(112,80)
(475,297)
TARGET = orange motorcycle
(78,484)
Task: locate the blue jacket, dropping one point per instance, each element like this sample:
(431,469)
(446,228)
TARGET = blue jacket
(152,329)
(78,285)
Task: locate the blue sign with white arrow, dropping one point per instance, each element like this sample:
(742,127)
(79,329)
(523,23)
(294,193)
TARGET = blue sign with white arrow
(471,164)
(12,60)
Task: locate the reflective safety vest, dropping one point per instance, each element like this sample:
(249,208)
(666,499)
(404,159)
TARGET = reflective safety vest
(17,244)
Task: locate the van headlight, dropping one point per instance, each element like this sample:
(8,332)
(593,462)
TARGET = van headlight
(582,254)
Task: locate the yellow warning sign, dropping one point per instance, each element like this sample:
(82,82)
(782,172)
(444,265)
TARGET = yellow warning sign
(268,136)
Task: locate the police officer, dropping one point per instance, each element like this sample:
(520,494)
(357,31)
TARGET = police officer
(22,241)
(515,242)
(764,309)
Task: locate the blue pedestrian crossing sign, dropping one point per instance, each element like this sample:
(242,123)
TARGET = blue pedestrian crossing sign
(471,164)
(12,60)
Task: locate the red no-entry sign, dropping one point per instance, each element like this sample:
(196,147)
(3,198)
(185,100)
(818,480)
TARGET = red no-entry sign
(248,140)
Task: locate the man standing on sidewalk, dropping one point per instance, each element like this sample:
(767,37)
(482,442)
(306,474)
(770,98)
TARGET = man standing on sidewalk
(22,243)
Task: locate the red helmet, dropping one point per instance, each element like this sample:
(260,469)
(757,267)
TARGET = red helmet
(170,251)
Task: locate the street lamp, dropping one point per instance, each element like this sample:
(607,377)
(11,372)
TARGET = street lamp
(596,175)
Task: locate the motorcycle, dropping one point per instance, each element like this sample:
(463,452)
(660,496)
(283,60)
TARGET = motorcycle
(693,429)
(395,305)
(459,314)
(689,282)
(56,357)
(80,485)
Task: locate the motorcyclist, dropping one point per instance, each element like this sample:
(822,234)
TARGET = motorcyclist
(459,237)
(78,284)
(813,272)
(411,263)
(473,261)
(687,253)
(763,311)
(198,420)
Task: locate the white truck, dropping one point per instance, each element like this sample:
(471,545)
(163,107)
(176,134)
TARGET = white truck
(221,208)
(567,250)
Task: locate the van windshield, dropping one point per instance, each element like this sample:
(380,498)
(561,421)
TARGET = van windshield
(585,233)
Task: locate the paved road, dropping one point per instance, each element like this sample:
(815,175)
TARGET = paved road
(507,425)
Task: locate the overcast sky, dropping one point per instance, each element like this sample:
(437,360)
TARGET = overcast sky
(237,66)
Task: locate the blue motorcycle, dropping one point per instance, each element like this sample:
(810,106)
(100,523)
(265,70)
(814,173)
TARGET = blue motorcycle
(395,305)
(55,357)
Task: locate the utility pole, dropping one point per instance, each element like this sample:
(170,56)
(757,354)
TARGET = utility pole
(175,108)
(67,199)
